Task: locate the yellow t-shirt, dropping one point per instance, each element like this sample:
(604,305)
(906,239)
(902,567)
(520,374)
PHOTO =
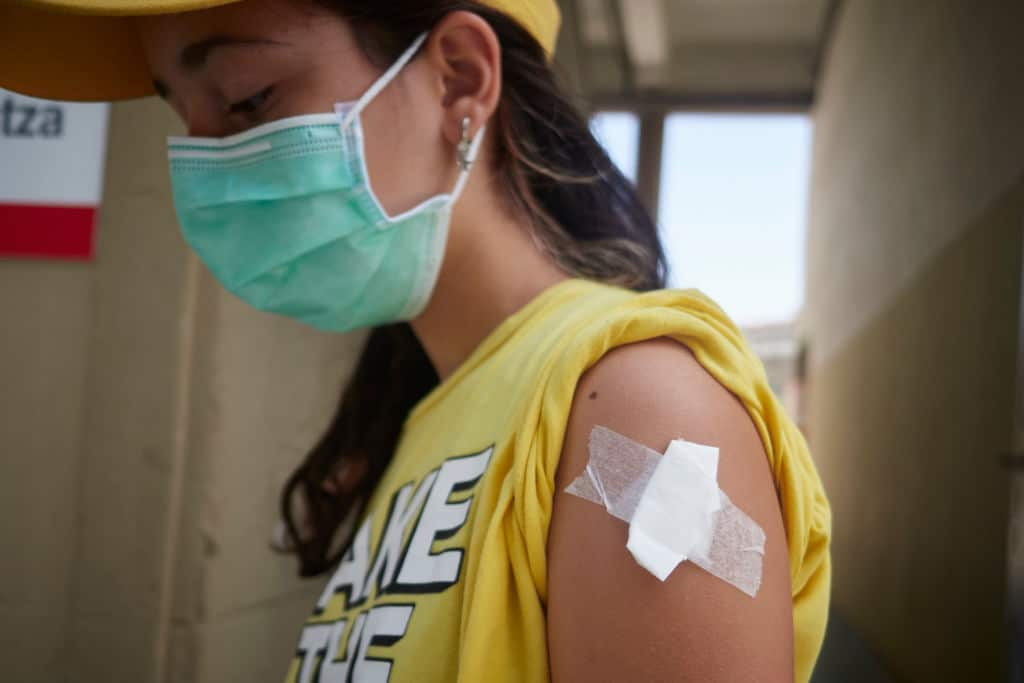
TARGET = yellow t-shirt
(446,579)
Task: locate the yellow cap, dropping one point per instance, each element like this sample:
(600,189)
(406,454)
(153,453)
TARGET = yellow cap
(88,50)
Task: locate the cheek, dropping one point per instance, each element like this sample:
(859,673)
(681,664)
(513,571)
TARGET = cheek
(407,156)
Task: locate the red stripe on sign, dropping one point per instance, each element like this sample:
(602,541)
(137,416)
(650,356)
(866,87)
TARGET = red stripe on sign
(39,231)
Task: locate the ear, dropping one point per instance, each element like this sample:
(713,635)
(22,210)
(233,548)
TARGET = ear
(465,52)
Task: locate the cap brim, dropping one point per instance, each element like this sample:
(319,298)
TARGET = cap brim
(80,50)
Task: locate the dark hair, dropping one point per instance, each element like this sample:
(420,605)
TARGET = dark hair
(581,209)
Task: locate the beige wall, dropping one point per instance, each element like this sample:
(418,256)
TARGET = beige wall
(913,283)
(917,132)
(148,421)
(46,307)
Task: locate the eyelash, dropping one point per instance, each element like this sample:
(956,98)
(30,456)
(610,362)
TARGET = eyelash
(251,105)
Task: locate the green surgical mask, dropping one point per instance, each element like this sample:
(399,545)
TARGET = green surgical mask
(285,218)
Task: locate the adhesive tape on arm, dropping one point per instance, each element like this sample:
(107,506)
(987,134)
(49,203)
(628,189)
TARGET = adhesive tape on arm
(675,509)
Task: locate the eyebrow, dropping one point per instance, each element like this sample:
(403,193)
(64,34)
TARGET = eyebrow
(193,58)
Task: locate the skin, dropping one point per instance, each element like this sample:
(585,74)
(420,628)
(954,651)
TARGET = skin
(691,627)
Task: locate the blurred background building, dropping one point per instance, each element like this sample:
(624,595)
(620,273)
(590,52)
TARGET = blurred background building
(846,178)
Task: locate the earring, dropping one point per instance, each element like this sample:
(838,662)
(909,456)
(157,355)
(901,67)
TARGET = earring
(464,144)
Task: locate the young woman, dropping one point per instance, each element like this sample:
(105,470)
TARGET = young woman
(412,166)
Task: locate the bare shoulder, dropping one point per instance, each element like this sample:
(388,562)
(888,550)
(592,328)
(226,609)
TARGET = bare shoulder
(608,619)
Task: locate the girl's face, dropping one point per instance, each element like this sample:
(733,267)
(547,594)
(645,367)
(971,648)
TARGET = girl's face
(227,69)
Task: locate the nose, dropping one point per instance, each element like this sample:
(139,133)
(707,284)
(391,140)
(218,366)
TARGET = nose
(204,117)
(206,124)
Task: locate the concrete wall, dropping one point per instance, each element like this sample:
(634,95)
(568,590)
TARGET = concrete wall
(147,421)
(914,274)
(917,132)
(42,374)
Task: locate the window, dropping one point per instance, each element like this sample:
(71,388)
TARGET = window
(619,132)
(733,205)
(733,210)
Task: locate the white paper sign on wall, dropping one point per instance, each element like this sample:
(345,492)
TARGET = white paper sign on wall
(51,176)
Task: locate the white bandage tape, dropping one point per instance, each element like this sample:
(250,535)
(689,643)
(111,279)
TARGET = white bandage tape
(674,508)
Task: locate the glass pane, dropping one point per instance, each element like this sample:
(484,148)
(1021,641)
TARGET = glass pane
(733,210)
(619,133)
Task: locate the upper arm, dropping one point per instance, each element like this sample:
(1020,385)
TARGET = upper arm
(608,618)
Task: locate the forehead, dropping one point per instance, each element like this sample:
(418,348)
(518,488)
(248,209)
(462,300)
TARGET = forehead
(291,22)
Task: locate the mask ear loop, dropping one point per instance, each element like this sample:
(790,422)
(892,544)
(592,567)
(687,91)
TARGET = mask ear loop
(383,81)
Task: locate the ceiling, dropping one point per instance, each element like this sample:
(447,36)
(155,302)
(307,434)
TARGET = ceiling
(680,54)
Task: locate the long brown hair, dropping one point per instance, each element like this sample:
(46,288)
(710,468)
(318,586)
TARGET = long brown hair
(581,209)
